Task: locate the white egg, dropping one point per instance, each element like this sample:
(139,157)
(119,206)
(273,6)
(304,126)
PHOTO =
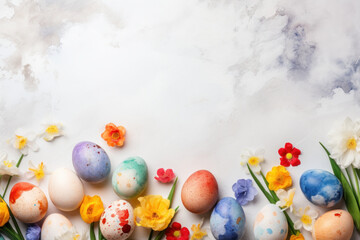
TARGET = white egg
(270,224)
(66,191)
(54,225)
(117,221)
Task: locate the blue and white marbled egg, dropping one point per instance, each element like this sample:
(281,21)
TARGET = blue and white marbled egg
(321,187)
(91,162)
(227,220)
(129,179)
(270,224)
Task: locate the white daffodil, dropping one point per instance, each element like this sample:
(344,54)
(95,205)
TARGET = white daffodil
(38,171)
(344,143)
(23,141)
(253,158)
(306,219)
(8,167)
(51,131)
(72,234)
(286,198)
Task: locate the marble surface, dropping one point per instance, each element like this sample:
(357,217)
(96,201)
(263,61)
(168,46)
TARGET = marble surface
(193,82)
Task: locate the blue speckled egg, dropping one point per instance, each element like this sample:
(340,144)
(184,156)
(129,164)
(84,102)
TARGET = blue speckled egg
(270,224)
(321,187)
(227,220)
(129,179)
(91,162)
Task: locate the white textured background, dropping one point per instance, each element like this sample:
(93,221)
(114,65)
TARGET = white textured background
(193,82)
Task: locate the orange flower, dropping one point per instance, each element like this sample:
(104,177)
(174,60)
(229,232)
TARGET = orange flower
(114,135)
(278,178)
(298,237)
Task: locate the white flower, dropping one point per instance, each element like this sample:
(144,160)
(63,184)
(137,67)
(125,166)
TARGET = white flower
(72,234)
(51,131)
(23,141)
(253,158)
(286,198)
(38,172)
(344,143)
(8,167)
(307,218)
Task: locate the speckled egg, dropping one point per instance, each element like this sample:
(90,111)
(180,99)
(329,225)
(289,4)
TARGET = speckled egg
(54,225)
(117,221)
(227,220)
(270,224)
(129,179)
(66,190)
(28,202)
(200,192)
(333,225)
(91,162)
(321,187)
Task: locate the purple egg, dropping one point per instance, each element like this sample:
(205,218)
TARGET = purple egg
(91,162)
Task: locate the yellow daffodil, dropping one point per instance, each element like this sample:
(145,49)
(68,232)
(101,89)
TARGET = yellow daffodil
(8,167)
(306,219)
(278,178)
(52,131)
(297,237)
(38,171)
(4,213)
(253,159)
(91,209)
(24,141)
(153,212)
(198,233)
(286,198)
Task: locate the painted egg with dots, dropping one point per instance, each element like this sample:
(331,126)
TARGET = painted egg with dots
(28,202)
(270,224)
(117,221)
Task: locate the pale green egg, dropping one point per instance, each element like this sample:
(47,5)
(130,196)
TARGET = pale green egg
(129,179)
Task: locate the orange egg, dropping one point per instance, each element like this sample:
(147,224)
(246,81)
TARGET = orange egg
(200,192)
(333,225)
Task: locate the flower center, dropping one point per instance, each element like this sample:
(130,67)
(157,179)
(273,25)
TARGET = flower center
(253,161)
(20,142)
(289,156)
(177,234)
(76,237)
(38,172)
(351,144)
(155,215)
(52,129)
(115,135)
(306,219)
(8,164)
(90,209)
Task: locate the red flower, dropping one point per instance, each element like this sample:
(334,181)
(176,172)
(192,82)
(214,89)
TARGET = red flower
(165,176)
(289,155)
(176,232)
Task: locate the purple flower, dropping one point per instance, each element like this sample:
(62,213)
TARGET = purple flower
(33,232)
(244,191)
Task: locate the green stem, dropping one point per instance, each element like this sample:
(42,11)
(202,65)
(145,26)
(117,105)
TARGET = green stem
(9,233)
(7,185)
(18,230)
(100,236)
(161,234)
(273,194)
(151,233)
(172,191)
(357,184)
(350,179)
(92,234)
(267,195)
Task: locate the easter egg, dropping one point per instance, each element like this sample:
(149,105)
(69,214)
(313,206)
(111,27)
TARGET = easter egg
(65,189)
(227,220)
(200,192)
(333,225)
(270,224)
(54,226)
(28,202)
(117,221)
(129,179)
(321,187)
(91,162)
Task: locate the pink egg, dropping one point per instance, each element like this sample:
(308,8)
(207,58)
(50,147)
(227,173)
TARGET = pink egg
(28,202)
(200,192)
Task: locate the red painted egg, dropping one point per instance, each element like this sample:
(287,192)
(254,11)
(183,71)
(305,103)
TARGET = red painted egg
(200,192)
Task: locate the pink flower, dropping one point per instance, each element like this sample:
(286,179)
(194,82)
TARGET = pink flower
(165,176)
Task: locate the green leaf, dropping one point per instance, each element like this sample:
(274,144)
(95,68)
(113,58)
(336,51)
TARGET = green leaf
(350,199)
(92,234)
(172,191)
(267,195)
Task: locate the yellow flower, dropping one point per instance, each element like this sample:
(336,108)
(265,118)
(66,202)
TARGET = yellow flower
(38,172)
(4,213)
(91,209)
(52,131)
(153,212)
(286,198)
(278,178)
(198,232)
(297,237)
